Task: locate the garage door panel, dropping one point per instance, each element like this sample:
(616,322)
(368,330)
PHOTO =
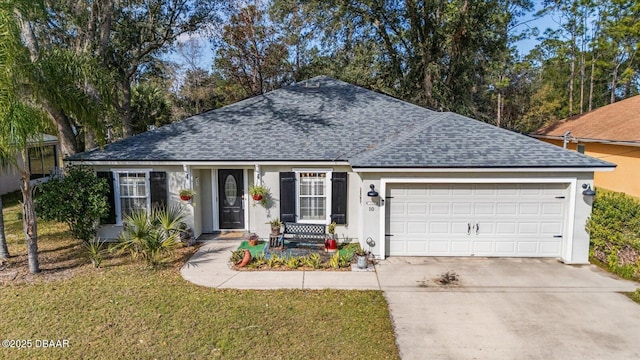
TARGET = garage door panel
(417,227)
(461,247)
(482,248)
(416,246)
(484,209)
(397,227)
(552,209)
(461,208)
(550,248)
(397,208)
(436,227)
(551,228)
(505,247)
(506,208)
(439,208)
(417,209)
(529,209)
(527,248)
(513,219)
(438,247)
(506,228)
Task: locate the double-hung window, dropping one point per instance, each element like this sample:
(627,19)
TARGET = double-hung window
(132,193)
(317,196)
(313,196)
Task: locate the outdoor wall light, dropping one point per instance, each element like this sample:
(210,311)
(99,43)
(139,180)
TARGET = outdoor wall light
(372,192)
(588,191)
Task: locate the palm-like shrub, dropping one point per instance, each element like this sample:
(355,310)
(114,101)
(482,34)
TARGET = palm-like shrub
(151,237)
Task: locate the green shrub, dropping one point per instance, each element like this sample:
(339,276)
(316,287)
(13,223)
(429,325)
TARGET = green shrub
(237,256)
(313,261)
(635,296)
(95,250)
(151,237)
(293,262)
(614,228)
(79,200)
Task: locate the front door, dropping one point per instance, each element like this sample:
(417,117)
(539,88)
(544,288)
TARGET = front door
(230,191)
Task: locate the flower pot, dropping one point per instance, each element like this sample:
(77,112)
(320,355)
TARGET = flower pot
(361,261)
(185,197)
(257,197)
(331,245)
(245,259)
(253,240)
(275,231)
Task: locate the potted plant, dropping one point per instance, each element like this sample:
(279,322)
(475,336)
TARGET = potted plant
(276,224)
(331,244)
(253,239)
(361,258)
(259,193)
(186,194)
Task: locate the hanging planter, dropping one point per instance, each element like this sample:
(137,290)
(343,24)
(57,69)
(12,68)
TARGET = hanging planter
(259,193)
(186,194)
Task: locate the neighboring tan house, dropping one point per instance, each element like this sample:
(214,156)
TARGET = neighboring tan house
(43,160)
(400,179)
(610,133)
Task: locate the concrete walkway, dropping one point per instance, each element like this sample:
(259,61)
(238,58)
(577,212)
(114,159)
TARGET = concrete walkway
(209,266)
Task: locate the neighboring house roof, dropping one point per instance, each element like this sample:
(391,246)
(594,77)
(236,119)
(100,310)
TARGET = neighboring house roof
(323,119)
(618,122)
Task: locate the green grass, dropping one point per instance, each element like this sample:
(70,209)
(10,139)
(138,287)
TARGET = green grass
(125,310)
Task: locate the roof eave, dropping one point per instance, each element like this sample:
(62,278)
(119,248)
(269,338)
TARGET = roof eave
(574,139)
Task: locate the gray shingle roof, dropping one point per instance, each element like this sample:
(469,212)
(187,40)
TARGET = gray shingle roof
(323,119)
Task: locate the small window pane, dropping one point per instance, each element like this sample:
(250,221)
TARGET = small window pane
(129,205)
(312,208)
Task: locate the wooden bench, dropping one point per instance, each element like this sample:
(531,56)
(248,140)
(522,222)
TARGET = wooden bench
(304,233)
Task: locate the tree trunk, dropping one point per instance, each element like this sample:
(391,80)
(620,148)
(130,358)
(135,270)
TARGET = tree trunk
(614,83)
(66,136)
(499,117)
(582,73)
(29,222)
(591,81)
(127,128)
(571,78)
(89,139)
(4,251)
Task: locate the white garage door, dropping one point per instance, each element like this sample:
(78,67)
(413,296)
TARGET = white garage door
(476,219)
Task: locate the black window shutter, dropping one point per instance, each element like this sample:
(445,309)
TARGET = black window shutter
(158,184)
(288,197)
(111,216)
(339,198)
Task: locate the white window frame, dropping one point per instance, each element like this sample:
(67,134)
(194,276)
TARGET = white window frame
(116,189)
(327,192)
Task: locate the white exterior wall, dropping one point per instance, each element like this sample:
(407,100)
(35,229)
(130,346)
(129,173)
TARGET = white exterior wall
(259,216)
(176,180)
(10,178)
(575,249)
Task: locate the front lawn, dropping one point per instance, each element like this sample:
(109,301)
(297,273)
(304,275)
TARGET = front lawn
(125,310)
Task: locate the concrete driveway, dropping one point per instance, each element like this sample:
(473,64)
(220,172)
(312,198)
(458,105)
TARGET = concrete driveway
(509,309)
